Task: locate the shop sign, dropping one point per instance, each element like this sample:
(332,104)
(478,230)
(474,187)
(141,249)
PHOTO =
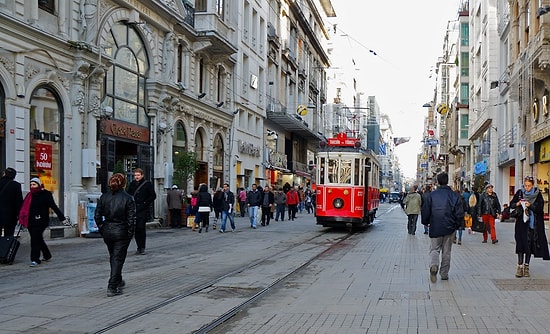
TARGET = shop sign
(43,156)
(125,130)
(45,136)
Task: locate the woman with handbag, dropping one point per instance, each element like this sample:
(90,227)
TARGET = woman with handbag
(529,232)
(35,215)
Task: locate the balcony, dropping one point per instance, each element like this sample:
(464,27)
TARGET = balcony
(292,122)
(214,35)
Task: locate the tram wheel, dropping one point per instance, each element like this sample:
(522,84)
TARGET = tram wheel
(349,227)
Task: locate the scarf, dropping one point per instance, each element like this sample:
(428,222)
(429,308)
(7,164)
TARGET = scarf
(530,196)
(25,208)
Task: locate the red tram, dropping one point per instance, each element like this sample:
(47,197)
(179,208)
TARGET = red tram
(348,190)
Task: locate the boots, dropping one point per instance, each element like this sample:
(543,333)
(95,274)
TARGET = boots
(526,270)
(519,271)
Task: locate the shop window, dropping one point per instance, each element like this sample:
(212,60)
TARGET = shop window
(45,145)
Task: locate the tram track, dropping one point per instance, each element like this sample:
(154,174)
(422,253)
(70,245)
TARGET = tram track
(315,246)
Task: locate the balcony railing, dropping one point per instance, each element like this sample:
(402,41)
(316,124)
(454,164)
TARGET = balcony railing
(189,13)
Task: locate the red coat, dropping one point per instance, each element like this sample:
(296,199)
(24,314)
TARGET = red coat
(292,198)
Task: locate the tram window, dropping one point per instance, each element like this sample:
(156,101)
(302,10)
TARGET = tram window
(332,169)
(357,176)
(322,171)
(345,171)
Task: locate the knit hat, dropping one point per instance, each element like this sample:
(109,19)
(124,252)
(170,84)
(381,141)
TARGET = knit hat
(36,180)
(174,186)
(489,186)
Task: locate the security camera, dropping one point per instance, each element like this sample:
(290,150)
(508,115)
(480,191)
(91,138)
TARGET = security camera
(181,86)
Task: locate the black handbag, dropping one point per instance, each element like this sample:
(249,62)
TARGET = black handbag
(517,212)
(478,226)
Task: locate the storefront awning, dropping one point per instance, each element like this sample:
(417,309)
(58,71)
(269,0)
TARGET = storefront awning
(303,174)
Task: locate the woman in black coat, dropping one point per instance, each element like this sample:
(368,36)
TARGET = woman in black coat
(529,230)
(204,202)
(115,216)
(35,214)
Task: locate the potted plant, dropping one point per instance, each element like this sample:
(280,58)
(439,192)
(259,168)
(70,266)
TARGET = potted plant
(185,167)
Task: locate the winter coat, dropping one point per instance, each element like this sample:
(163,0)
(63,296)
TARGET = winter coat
(115,215)
(254,198)
(270,199)
(540,243)
(228,201)
(442,210)
(174,199)
(39,210)
(204,199)
(413,203)
(488,205)
(280,198)
(143,198)
(217,201)
(292,197)
(11,200)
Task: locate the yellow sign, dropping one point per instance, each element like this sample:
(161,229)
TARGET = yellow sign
(302,110)
(544,153)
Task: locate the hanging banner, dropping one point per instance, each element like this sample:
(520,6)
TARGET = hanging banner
(43,156)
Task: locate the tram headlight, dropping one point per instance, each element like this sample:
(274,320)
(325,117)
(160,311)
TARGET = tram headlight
(338,203)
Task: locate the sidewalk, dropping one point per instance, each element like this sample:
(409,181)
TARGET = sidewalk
(381,285)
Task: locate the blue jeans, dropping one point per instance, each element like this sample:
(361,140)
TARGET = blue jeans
(225,215)
(253,214)
(280,212)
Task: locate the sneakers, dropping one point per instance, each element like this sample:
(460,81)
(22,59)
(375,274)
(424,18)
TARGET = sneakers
(433,273)
(519,271)
(484,242)
(45,260)
(494,241)
(140,252)
(526,270)
(221,231)
(33,264)
(459,242)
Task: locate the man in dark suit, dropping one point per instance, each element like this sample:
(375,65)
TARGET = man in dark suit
(144,195)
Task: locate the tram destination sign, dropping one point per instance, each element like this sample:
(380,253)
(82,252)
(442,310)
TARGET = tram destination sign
(341,142)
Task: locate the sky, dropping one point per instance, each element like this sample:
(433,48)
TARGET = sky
(395,45)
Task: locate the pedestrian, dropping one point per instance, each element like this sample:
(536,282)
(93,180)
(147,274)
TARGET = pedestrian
(292,201)
(11,200)
(253,202)
(488,209)
(217,203)
(413,204)
(115,216)
(442,211)
(280,204)
(267,203)
(302,198)
(227,208)
(204,201)
(144,195)
(174,199)
(529,230)
(425,193)
(35,215)
(242,201)
(461,227)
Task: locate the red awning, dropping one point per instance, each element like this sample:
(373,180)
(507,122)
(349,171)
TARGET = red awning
(303,174)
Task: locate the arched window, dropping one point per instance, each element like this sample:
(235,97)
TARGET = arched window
(199,146)
(125,81)
(218,152)
(45,145)
(180,141)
